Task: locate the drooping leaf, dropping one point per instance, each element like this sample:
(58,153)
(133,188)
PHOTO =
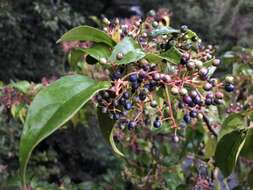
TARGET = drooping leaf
(172,55)
(228,150)
(87,33)
(163,31)
(97,51)
(130,49)
(22,86)
(75,56)
(232,122)
(51,108)
(106,126)
(247,150)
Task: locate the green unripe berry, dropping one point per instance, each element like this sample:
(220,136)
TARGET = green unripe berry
(120,55)
(183,91)
(229,79)
(199,64)
(155,24)
(216,62)
(174,90)
(102,60)
(152,13)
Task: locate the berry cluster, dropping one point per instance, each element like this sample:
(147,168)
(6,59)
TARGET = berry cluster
(144,93)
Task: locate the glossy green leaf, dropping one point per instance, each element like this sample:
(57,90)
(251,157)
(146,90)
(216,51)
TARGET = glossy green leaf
(228,150)
(163,31)
(131,50)
(87,33)
(172,55)
(106,126)
(51,108)
(232,122)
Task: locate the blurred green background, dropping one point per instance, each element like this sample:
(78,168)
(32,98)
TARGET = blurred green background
(28,31)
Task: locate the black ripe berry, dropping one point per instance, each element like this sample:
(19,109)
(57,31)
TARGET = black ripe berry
(229,87)
(133,78)
(193,114)
(187,118)
(142,96)
(157,123)
(135,85)
(131,125)
(208,101)
(126,95)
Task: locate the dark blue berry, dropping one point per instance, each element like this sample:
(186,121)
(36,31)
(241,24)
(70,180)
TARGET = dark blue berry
(135,85)
(115,103)
(128,105)
(217,101)
(157,123)
(192,104)
(184,60)
(115,116)
(116,75)
(229,87)
(105,94)
(131,125)
(122,101)
(197,99)
(187,118)
(99,98)
(193,114)
(133,78)
(104,109)
(126,95)
(208,101)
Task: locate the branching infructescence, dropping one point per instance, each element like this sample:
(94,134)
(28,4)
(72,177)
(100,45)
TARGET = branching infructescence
(148,92)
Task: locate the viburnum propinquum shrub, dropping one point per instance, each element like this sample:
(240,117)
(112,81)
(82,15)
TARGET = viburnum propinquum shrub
(152,76)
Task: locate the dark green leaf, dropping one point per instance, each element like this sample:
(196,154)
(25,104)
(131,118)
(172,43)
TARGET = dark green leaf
(106,125)
(232,122)
(250,178)
(87,33)
(75,55)
(172,55)
(163,30)
(228,150)
(51,108)
(130,49)
(247,150)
